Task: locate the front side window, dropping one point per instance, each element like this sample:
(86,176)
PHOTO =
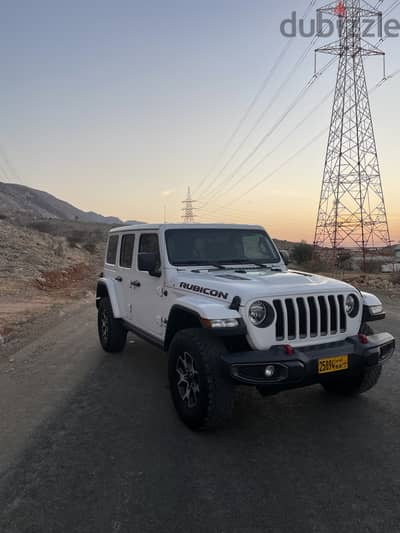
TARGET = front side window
(126,254)
(200,246)
(112,250)
(149,245)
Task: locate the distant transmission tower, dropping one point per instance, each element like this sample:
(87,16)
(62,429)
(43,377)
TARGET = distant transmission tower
(352,209)
(188,209)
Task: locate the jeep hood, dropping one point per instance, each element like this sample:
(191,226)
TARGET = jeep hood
(249,285)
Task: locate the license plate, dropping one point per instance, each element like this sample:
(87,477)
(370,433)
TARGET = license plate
(333,364)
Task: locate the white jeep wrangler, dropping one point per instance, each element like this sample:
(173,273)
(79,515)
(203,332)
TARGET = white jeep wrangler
(221,300)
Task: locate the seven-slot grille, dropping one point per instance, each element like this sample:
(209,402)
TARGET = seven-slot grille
(311,316)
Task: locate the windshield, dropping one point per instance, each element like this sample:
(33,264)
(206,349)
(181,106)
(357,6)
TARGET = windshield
(198,246)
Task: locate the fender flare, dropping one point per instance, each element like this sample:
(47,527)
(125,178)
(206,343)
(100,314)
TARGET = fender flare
(189,312)
(109,287)
(369,301)
(206,308)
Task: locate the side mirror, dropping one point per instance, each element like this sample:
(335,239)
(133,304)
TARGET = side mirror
(285,256)
(150,262)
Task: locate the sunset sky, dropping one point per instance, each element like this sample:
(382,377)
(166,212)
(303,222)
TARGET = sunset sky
(118,107)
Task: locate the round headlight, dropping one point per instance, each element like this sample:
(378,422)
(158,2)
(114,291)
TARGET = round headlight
(261,314)
(352,305)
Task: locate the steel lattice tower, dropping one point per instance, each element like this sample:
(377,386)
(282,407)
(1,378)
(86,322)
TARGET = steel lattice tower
(188,209)
(352,209)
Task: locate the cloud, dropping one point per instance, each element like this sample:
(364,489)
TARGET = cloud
(168,193)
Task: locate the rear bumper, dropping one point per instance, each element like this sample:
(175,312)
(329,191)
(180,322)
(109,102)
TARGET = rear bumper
(301,367)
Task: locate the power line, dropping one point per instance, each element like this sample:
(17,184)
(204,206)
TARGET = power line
(253,102)
(282,142)
(261,117)
(214,191)
(297,153)
(272,102)
(211,194)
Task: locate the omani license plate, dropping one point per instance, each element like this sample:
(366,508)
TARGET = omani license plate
(333,364)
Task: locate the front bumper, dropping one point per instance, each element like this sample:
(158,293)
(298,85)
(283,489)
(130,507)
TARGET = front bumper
(299,367)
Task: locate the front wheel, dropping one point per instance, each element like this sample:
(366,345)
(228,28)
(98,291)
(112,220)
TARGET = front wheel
(202,395)
(354,385)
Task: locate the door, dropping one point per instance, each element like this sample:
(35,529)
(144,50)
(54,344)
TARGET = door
(125,273)
(147,294)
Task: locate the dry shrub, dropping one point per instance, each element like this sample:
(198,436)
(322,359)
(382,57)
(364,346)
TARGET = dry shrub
(90,247)
(43,226)
(373,267)
(76,238)
(317,265)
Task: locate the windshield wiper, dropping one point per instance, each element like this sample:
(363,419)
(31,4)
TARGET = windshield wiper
(248,262)
(200,264)
(255,263)
(218,265)
(215,265)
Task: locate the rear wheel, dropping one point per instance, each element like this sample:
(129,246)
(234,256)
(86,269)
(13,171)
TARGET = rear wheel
(202,396)
(112,334)
(354,385)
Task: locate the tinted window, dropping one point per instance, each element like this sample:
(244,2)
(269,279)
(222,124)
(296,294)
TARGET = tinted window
(125,257)
(149,244)
(225,246)
(112,250)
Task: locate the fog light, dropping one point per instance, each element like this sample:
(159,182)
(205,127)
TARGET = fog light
(269,371)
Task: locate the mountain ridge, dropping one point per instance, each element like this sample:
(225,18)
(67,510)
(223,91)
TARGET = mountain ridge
(16,199)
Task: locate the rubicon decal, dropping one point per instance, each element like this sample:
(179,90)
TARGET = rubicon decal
(204,290)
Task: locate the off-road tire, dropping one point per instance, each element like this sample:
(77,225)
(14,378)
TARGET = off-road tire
(354,385)
(215,398)
(112,334)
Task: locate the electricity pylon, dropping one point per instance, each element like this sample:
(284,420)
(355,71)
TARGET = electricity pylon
(352,208)
(188,209)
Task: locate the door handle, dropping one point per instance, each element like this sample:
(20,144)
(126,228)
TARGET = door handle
(135,283)
(118,278)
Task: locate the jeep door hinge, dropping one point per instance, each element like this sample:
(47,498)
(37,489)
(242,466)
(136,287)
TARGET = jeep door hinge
(162,292)
(162,321)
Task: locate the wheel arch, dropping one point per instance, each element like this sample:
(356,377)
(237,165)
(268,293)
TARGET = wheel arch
(106,289)
(183,317)
(180,317)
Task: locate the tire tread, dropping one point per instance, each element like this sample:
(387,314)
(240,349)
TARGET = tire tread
(117,333)
(220,399)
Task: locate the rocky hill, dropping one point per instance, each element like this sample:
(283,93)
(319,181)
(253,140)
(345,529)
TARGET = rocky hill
(21,201)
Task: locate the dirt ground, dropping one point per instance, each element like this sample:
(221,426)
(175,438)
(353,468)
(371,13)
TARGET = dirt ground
(40,276)
(28,308)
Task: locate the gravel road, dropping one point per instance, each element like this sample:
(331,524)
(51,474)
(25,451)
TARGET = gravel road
(89,443)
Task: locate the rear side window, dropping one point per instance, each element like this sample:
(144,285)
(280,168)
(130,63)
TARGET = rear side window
(125,257)
(112,250)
